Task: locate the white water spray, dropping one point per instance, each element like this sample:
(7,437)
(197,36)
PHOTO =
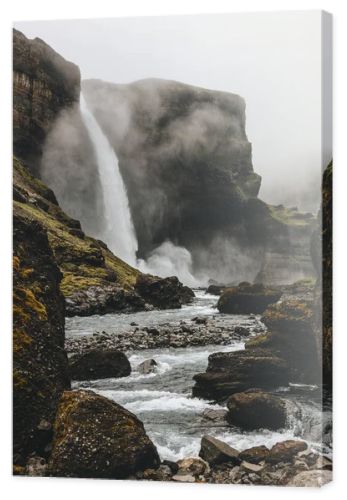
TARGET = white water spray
(119,233)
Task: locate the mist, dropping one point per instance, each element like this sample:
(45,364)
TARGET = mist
(271,59)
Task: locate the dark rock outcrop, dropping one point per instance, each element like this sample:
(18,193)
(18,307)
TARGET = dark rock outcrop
(231,372)
(256,410)
(291,335)
(187,165)
(97,364)
(247,298)
(40,368)
(215,451)
(163,293)
(95,437)
(44,83)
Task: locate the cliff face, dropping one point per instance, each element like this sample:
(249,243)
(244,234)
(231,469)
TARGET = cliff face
(44,83)
(187,165)
(184,155)
(39,359)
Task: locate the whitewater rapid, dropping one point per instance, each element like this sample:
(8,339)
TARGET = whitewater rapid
(162,400)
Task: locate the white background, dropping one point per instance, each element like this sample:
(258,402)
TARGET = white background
(28,488)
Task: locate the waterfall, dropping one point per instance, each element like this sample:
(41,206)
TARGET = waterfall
(118,232)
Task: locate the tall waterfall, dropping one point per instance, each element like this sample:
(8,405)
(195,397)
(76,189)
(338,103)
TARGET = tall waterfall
(119,232)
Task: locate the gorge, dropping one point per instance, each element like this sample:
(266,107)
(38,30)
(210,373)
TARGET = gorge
(124,197)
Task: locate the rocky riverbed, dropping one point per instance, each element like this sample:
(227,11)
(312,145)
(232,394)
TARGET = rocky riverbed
(166,349)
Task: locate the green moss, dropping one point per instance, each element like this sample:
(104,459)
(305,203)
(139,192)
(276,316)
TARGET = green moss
(289,216)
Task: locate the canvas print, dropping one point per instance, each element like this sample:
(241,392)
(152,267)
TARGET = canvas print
(172,248)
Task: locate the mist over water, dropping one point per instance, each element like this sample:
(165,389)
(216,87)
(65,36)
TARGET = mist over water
(119,232)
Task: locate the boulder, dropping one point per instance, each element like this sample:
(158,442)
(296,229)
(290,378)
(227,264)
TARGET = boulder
(285,451)
(147,366)
(97,364)
(97,438)
(255,454)
(246,298)
(231,372)
(215,451)
(256,410)
(215,415)
(163,293)
(192,466)
(311,478)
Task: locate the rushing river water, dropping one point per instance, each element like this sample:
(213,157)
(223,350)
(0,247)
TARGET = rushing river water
(163,402)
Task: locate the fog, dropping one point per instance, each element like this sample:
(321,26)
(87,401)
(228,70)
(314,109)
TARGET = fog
(273,60)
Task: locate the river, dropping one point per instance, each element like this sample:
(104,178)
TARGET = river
(163,402)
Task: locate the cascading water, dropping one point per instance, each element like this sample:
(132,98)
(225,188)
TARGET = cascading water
(119,232)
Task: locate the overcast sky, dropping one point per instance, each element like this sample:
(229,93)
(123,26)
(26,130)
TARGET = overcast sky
(273,60)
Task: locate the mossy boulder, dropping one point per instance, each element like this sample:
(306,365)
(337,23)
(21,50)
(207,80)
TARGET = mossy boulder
(231,372)
(256,410)
(97,438)
(246,298)
(98,364)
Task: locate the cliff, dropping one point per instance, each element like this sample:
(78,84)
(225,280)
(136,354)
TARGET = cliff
(44,83)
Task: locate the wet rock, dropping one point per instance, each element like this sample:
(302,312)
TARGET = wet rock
(312,478)
(215,451)
(147,366)
(285,451)
(163,293)
(242,331)
(215,415)
(231,372)
(256,410)
(173,466)
(98,364)
(163,473)
(95,437)
(255,454)
(247,298)
(183,478)
(193,466)
(200,320)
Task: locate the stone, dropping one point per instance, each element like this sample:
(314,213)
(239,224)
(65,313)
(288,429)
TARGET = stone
(285,451)
(215,451)
(97,438)
(312,478)
(193,466)
(256,410)
(36,466)
(247,298)
(183,478)
(148,366)
(163,293)
(249,467)
(237,371)
(215,415)
(255,454)
(99,364)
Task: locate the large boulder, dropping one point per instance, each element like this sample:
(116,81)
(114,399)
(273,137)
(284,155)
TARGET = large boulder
(291,335)
(231,372)
(97,364)
(285,451)
(40,367)
(95,437)
(163,293)
(215,451)
(256,410)
(246,298)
